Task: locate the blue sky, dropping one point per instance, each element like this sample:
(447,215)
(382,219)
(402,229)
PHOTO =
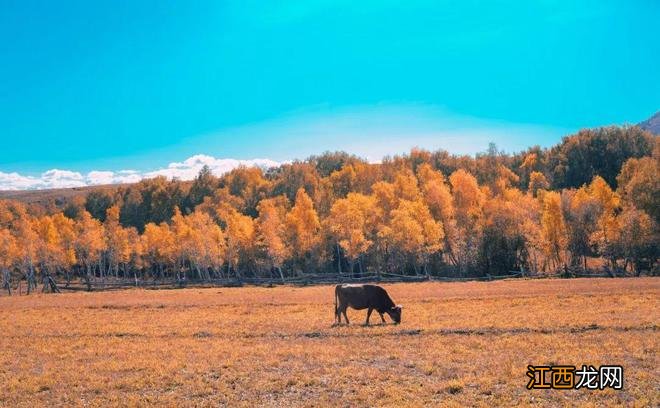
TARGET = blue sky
(139,85)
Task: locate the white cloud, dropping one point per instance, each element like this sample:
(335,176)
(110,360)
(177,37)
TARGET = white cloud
(62,178)
(185,170)
(100,177)
(14,181)
(189,168)
(109,177)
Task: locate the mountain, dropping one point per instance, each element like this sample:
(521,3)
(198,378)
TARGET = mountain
(652,124)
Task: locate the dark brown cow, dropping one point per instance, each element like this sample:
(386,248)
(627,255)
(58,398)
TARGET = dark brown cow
(370,297)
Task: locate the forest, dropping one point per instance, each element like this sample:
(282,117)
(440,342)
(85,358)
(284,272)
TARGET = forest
(589,203)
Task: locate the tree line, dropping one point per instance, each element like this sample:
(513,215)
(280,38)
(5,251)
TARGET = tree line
(590,202)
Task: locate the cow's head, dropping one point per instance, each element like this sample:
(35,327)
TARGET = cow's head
(395,313)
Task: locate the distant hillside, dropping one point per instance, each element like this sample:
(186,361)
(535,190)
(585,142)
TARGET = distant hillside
(58,196)
(652,124)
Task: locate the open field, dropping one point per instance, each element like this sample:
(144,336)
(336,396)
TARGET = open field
(459,344)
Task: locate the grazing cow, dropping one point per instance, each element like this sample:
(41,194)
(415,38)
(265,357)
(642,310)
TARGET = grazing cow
(370,297)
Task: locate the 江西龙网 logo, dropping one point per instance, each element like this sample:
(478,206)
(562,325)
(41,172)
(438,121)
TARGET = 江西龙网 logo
(569,377)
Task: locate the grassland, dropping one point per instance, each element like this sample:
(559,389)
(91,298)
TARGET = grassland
(460,344)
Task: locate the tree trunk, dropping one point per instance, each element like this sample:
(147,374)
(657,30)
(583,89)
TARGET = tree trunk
(44,279)
(87,278)
(237,274)
(29,283)
(30,279)
(53,285)
(6,281)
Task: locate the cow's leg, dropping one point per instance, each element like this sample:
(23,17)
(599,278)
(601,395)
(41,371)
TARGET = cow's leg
(345,316)
(368,315)
(381,317)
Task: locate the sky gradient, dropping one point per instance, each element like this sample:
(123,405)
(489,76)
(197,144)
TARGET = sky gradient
(140,85)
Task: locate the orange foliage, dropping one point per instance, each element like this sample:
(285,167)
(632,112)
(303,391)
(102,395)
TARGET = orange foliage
(494,214)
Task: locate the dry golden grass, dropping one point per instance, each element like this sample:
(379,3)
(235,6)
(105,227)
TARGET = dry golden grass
(460,344)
